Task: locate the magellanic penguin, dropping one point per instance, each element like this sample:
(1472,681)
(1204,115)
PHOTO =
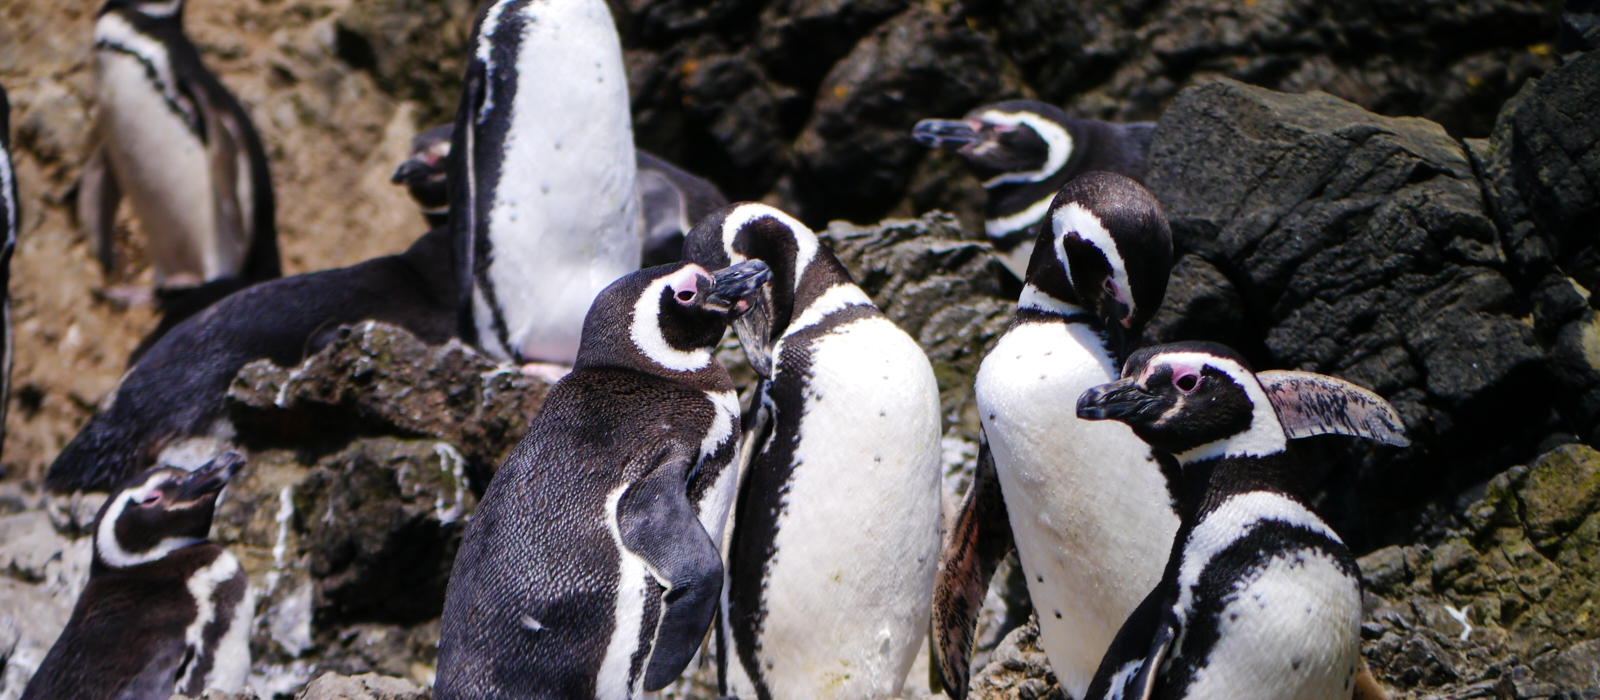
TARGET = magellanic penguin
(183,151)
(11,220)
(1260,598)
(165,611)
(175,392)
(671,199)
(425,173)
(542,191)
(590,569)
(1084,503)
(1024,152)
(836,532)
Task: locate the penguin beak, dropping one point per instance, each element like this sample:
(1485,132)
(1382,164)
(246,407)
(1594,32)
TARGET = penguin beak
(209,479)
(944,133)
(411,170)
(746,294)
(1119,401)
(1117,319)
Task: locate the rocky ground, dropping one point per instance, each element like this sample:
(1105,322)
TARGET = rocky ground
(1423,226)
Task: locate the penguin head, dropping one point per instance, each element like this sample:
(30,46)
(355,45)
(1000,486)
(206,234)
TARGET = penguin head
(161,511)
(425,171)
(1200,400)
(755,231)
(1016,141)
(155,9)
(666,320)
(1104,246)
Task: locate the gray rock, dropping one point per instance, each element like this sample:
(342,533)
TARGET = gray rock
(1018,670)
(370,686)
(415,49)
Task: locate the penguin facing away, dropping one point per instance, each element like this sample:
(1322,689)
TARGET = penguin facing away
(671,199)
(1084,503)
(542,176)
(1260,598)
(590,568)
(10,220)
(1024,151)
(836,532)
(183,151)
(175,392)
(165,611)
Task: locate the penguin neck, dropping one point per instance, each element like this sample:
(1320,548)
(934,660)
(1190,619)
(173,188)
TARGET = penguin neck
(1199,487)
(180,563)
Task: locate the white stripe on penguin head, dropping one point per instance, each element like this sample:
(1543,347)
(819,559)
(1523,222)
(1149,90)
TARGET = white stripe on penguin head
(1056,139)
(646,327)
(1074,218)
(1265,435)
(105,537)
(805,241)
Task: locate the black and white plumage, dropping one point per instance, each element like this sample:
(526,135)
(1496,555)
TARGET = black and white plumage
(11,220)
(165,611)
(1084,504)
(671,199)
(836,533)
(1260,598)
(1024,151)
(181,149)
(542,181)
(590,568)
(175,393)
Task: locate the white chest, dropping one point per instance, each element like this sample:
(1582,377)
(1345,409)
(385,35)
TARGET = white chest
(564,217)
(1089,508)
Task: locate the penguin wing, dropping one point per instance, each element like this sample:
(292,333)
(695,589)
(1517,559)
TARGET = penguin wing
(972,549)
(658,525)
(1132,664)
(224,152)
(98,197)
(1316,404)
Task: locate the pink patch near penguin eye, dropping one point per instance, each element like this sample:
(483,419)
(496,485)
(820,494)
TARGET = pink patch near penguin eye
(1185,379)
(151,499)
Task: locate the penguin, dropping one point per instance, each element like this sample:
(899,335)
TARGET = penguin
(1025,151)
(670,199)
(11,220)
(1260,598)
(1084,504)
(425,174)
(165,611)
(176,390)
(542,176)
(590,568)
(184,152)
(836,533)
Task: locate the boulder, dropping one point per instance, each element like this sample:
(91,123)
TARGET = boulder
(368,686)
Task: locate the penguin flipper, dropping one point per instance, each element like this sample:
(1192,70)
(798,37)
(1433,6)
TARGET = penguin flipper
(1309,404)
(657,524)
(980,539)
(98,197)
(224,151)
(1132,664)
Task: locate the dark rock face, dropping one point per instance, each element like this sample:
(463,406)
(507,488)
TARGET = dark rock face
(1503,607)
(416,49)
(1338,241)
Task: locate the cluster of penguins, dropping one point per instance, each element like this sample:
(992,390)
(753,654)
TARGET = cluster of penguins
(649,515)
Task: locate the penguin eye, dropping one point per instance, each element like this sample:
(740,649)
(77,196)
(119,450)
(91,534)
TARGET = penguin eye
(686,296)
(1110,287)
(1186,382)
(150,499)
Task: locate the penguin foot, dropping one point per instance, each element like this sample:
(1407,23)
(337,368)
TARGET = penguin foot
(547,371)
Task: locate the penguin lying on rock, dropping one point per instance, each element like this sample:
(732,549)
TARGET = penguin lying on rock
(182,150)
(1024,151)
(590,568)
(836,535)
(1260,598)
(165,611)
(1084,503)
(175,393)
(670,199)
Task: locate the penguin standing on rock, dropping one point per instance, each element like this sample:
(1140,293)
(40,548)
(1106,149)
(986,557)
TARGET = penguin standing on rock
(836,534)
(11,221)
(1025,151)
(165,611)
(1084,503)
(1260,598)
(542,181)
(178,145)
(590,568)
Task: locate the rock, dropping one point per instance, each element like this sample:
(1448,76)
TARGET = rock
(1358,246)
(1201,304)
(1018,670)
(369,686)
(376,379)
(415,49)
